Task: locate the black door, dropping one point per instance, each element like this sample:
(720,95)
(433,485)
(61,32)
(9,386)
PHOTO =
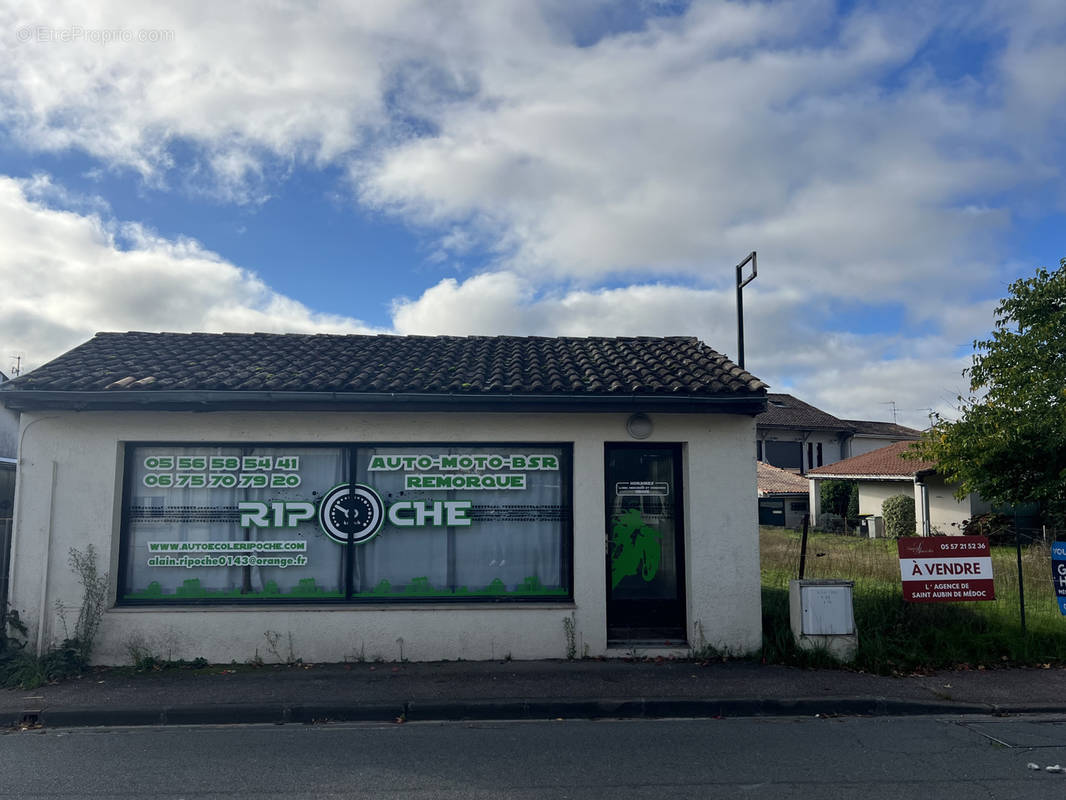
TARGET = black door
(771,511)
(645,543)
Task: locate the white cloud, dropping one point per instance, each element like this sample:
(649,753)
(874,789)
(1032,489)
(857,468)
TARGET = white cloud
(859,170)
(65,278)
(850,375)
(69,278)
(674,147)
(679,148)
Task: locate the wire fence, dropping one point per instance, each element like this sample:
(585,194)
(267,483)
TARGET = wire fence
(1021,562)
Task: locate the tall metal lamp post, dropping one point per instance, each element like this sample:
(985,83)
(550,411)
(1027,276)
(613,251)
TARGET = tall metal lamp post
(741,283)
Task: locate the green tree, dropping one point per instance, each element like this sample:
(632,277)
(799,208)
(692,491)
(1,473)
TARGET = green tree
(853,501)
(835,495)
(1009,445)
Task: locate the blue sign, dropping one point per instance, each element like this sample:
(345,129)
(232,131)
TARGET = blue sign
(1058,572)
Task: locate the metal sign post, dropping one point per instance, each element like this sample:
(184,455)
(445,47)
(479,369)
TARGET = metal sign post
(741,283)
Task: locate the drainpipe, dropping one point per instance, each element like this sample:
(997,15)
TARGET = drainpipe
(923,501)
(41,611)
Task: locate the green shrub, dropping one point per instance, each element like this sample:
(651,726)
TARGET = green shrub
(853,502)
(898,512)
(997,527)
(835,497)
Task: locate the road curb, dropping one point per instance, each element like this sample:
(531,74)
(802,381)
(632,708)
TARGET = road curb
(505,709)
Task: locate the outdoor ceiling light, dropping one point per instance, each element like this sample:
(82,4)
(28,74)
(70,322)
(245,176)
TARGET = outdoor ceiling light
(639,426)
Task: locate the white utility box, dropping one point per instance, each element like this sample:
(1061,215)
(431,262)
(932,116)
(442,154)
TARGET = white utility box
(822,615)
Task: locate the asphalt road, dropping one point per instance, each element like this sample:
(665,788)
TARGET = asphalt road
(910,757)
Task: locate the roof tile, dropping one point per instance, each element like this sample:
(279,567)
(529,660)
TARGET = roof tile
(123,362)
(786,411)
(884,462)
(865,427)
(774,480)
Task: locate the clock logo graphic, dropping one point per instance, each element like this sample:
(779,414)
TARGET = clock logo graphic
(351,510)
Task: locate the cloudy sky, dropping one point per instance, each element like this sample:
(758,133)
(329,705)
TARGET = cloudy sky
(552,167)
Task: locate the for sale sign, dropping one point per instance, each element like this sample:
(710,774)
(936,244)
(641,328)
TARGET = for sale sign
(1058,572)
(946,569)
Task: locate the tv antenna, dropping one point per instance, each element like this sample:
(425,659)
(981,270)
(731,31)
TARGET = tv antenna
(893,404)
(16,368)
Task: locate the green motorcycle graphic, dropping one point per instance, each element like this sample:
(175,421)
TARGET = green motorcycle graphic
(635,547)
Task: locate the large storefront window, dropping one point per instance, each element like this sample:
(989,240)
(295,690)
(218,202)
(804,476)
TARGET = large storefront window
(377,523)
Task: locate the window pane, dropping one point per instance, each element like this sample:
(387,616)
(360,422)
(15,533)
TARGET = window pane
(787,455)
(453,522)
(505,542)
(185,539)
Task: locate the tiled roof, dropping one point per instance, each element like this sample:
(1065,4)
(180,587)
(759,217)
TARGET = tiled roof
(774,480)
(887,430)
(785,411)
(884,462)
(154,363)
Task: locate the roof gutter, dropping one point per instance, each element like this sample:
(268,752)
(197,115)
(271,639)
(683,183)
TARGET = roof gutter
(197,400)
(850,477)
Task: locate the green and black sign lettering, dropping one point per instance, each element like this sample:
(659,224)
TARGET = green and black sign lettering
(258,522)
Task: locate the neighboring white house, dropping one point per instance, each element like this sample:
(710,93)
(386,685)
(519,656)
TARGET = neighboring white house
(883,473)
(868,435)
(796,436)
(382,496)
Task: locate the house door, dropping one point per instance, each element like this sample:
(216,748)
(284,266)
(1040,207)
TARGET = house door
(771,511)
(645,543)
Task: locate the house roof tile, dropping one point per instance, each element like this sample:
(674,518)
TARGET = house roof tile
(884,462)
(865,427)
(675,366)
(786,411)
(774,480)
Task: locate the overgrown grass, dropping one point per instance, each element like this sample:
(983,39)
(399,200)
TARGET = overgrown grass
(895,636)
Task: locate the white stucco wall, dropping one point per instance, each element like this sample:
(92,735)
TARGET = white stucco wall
(794,517)
(872,494)
(945,512)
(69,495)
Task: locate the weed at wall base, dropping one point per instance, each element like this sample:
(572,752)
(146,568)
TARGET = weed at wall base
(570,632)
(70,658)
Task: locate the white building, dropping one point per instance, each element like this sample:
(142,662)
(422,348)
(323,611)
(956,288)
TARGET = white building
(884,473)
(373,496)
(797,436)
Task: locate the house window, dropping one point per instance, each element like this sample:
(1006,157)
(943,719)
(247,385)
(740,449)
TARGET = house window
(787,455)
(810,454)
(373,523)
(758,451)
(819,454)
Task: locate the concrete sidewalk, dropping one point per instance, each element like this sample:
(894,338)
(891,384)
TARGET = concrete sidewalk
(519,690)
